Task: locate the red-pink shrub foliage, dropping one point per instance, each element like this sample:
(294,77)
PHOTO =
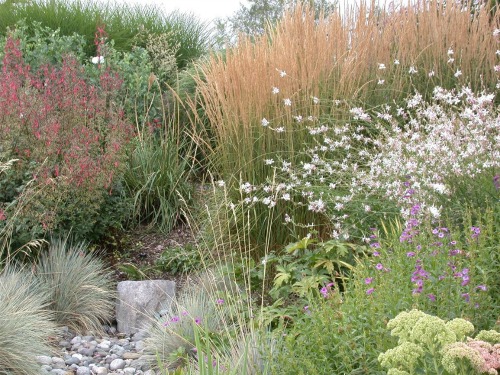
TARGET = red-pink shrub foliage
(70,128)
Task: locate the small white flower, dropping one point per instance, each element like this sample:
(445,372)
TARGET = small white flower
(316,100)
(298,118)
(281,129)
(220,183)
(287,102)
(275,90)
(317,206)
(496,68)
(286,197)
(451,60)
(97,59)
(381,82)
(264,122)
(339,206)
(264,261)
(450,52)
(282,73)
(381,66)
(269,161)
(288,219)
(412,70)
(396,62)
(435,212)
(496,32)
(497,52)
(266,201)
(432,73)
(367,208)
(458,73)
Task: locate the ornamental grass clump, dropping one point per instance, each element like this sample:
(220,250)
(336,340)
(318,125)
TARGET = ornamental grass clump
(300,81)
(80,288)
(428,344)
(26,325)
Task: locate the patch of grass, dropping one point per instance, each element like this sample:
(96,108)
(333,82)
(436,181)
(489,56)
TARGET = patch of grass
(79,287)
(25,323)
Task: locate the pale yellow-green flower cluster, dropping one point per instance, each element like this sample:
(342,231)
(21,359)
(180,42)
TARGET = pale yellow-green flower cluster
(402,325)
(460,351)
(493,337)
(405,355)
(432,331)
(461,327)
(395,371)
(420,334)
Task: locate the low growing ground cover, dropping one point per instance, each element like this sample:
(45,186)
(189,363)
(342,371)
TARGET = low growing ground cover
(351,223)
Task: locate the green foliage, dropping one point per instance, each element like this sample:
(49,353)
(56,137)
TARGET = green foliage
(158,176)
(123,23)
(79,286)
(26,325)
(42,45)
(306,266)
(180,260)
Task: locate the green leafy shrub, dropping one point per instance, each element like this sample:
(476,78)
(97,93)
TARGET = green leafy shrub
(26,325)
(182,259)
(80,288)
(128,25)
(69,137)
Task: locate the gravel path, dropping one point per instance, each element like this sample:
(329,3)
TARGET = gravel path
(92,355)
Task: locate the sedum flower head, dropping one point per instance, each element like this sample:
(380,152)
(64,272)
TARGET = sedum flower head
(403,323)
(492,336)
(461,327)
(395,371)
(405,355)
(431,330)
(458,351)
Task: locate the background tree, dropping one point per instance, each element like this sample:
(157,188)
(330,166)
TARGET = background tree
(253,19)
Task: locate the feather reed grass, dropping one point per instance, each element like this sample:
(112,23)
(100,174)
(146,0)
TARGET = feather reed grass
(256,97)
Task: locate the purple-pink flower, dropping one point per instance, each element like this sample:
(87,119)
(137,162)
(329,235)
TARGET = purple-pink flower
(379,266)
(368,280)
(370,291)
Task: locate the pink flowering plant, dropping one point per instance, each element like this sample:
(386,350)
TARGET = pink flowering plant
(69,138)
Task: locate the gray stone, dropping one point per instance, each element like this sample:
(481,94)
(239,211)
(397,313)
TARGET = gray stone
(101,370)
(131,355)
(83,371)
(141,364)
(129,371)
(139,301)
(149,372)
(43,360)
(72,361)
(88,352)
(76,340)
(139,345)
(117,364)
